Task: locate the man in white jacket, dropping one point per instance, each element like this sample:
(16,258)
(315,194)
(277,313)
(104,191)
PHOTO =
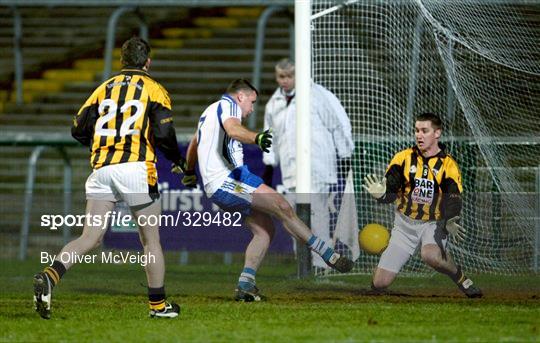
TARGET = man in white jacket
(331,139)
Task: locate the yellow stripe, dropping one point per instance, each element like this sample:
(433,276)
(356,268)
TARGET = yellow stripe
(111,124)
(136,139)
(157,306)
(151,173)
(152,92)
(53,274)
(120,145)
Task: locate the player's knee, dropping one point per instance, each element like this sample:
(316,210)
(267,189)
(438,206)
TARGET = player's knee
(379,283)
(431,258)
(148,237)
(382,278)
(263,238)
(264,234)
(284,209)
(92,242)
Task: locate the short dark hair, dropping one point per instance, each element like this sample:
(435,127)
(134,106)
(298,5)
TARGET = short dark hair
(241,85)
(135,52)
(435,120)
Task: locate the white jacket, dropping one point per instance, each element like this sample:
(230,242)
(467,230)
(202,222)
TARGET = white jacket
(330,136)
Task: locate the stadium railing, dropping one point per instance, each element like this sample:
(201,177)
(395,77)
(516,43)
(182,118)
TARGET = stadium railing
(40,142)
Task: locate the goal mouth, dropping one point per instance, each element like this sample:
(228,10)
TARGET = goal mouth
(473,63)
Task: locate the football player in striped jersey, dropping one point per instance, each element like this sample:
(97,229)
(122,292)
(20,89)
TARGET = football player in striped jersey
(425,183)
(123,122)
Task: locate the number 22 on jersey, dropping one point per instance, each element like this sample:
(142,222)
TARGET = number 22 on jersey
(111,114)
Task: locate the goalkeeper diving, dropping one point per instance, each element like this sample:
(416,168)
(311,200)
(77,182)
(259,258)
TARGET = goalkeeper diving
(425,183)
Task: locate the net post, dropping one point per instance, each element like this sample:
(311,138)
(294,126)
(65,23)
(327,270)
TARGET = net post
(303,253)
(537,223)
(302,15)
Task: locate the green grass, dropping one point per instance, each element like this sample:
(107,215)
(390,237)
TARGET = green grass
(107,302)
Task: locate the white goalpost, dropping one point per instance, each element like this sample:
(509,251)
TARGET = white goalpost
(302,50)
(302,16)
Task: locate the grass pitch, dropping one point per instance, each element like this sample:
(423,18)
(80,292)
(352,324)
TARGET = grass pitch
(108,303)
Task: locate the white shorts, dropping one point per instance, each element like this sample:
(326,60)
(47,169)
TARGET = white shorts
(133,182)
(235,194)
(406,236)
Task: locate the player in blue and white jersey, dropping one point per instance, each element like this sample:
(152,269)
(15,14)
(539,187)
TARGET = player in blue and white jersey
(227,181)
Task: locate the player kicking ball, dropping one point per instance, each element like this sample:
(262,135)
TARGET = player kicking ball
(425,183)
(228,183)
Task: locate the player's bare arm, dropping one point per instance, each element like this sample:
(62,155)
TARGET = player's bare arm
(191,154)
(234,129)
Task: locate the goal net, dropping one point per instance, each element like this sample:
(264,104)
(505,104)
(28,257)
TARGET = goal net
(475,63)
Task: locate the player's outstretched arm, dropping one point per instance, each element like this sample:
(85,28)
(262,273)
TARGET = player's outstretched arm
(236,130)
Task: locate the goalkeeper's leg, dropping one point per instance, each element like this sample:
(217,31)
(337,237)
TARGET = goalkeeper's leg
(433,256)
(92,235)
(262,228)
(155,268)
(267,200)
(392,260)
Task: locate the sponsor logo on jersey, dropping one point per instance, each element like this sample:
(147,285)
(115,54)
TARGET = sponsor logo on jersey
(423,191)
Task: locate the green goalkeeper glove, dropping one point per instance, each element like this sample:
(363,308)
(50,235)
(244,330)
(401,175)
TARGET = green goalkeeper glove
(374,186)
(179,167)
(455,229)
(190,179)
(264,140)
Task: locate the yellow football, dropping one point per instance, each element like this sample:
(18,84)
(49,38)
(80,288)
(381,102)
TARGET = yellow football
(374,238)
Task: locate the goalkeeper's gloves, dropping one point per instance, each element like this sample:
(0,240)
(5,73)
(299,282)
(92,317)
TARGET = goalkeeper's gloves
(374,186)
(190,179)
(264,140)
(455,229)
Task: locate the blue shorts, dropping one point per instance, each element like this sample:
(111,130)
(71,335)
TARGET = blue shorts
(234,195)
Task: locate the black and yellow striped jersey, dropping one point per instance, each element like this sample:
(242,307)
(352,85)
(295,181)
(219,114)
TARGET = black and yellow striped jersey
(424,188)
(125,119)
